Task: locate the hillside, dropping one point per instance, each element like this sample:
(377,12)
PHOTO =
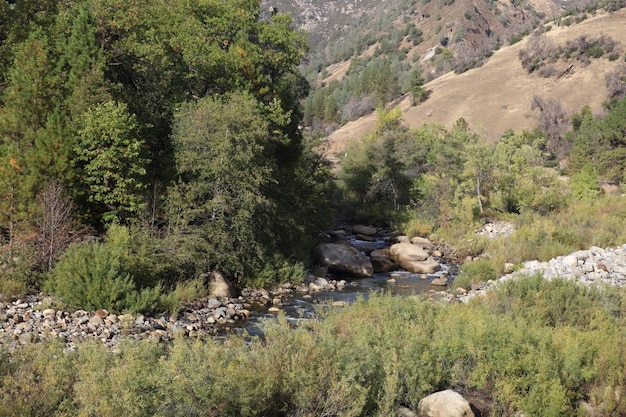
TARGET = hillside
(497,96)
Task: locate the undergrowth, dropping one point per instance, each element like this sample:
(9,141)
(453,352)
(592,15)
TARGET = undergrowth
(534,347)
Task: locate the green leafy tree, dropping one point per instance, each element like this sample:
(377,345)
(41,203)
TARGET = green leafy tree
(585,183)
(222,167)
(110,155)
(601,142)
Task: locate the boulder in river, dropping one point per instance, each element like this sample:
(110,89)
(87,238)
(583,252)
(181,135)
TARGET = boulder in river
(220,286)
(381,261)
(424,243)
(360,229)
(413,258)
(343,258)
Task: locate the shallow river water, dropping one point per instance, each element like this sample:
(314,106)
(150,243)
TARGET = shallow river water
(302,306)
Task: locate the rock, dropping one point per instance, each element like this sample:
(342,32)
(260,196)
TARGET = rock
(102,313)
(413,258)
(96,320)
(365,238)
(391,281)
(220,286)
(403,239)
(440,281)
(49,313)
(570,261)
(407,251)
(405,412)
(364,230)
(446,403)
(381,261)
(424,243)
(343,258)
(339,304)
(273,309)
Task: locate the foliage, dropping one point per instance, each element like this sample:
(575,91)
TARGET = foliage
(541,53)
(599,141)
(533,346)
(97,275)
(89,94)
(110,155)
(228,170)
(479,270)
(585,183)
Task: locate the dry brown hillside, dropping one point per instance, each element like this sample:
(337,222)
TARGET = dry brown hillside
(497,96)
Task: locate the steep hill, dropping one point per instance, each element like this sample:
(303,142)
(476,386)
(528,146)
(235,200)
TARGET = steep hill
(497,96)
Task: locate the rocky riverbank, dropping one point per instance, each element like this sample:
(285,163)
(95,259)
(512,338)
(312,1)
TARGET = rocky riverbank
(592,267)
(33,318)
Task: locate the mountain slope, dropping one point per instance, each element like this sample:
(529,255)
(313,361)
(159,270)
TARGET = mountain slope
(497,96)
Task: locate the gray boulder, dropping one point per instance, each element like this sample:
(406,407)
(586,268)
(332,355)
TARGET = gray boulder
(343,258)
(446,403)
(360,229)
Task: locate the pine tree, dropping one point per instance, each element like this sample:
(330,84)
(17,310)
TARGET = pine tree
(85,62)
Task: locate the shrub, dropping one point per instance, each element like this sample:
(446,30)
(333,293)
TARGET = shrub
(90,276)
(36,380)
(94,275)
(585,183)
(480,270)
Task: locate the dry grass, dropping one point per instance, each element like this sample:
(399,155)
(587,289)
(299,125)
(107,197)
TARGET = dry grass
(497,96)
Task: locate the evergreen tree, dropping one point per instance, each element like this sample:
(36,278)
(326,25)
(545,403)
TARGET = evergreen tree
(416,87)
(84,60)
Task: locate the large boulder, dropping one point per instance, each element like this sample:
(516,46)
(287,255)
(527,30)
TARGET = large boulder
(446,403)
(220,286)
(381,261)
(413,258)
(343,258)
(424,243)
(400,252)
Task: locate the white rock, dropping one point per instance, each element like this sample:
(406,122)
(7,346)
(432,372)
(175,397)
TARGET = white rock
(570,260)
(446,403)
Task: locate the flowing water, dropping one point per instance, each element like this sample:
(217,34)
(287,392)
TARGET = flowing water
(302,306)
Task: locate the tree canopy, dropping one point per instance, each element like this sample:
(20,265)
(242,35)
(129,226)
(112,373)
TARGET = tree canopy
(138,108)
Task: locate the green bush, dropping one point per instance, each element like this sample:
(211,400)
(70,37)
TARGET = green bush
(90,276)
(97,275)
(479,270)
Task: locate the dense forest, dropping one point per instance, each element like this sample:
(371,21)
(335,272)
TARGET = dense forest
(177,121)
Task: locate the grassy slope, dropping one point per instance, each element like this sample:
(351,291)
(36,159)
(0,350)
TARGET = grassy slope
(497,96)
